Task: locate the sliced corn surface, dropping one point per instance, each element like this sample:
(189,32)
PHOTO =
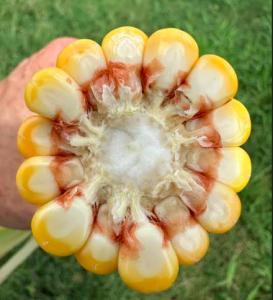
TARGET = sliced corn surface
(135,154)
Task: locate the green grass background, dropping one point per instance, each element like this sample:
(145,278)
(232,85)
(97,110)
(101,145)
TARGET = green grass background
(238,265)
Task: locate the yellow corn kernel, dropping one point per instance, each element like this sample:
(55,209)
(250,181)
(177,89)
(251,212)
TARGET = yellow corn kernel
(210,84)
(62,226)
(229,165)
(192,245)
(189,239)
(42,178)
(34,138)
(54,94)
(223,210)
(233,123)
(125,45)
(147,262)
(229,123)
(81,60)
(169,56)
(99,254)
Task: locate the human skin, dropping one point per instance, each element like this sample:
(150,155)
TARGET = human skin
(14,211)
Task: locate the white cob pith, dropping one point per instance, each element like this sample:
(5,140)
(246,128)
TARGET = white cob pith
(135,155)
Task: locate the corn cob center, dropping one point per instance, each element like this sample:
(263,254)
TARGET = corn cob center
(129,158)
(135,152)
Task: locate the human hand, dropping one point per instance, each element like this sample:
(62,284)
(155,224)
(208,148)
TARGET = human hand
(14,212)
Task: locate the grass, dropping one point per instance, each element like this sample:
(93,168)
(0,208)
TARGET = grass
(238,265)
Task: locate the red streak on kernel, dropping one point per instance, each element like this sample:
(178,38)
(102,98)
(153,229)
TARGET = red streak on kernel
(207,128)
(105,227)
(113,76)
(187,84)
(57,170)
(205,105)
(212,158)
(153,70)
(130,244)
(57,142)
(61,131)
(175,220)
(66,199)
(196,200)
(155,221)
(68,129)
(150,73)
(179,99)
(213,138)
(180,76)
(89,96)
(206,182)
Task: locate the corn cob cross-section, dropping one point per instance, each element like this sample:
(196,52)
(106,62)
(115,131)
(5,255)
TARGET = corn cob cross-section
(134,155)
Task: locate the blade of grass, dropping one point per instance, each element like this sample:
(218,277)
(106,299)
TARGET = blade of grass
(10,238)
(231,271)
(254,292)
(17,259)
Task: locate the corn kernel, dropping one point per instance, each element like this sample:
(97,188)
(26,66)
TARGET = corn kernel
(232,121)
(81,60)
(125,45)
(99,254)
(227,126)
(223,210)
(169,56)
(54,94)
(210,84)
(147,262)
(189,239)
(42,178)
(35,138)
(62,226)
(230,165)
